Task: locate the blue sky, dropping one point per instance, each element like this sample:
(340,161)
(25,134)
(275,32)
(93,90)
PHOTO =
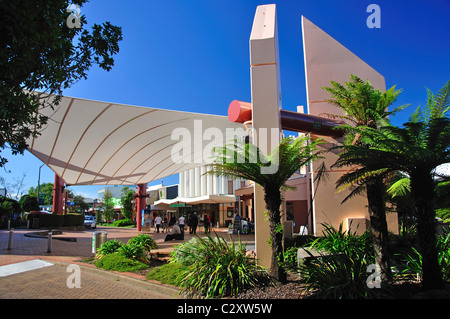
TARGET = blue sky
(194,56)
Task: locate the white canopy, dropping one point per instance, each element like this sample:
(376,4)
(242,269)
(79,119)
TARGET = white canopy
(206,199)
(97,143)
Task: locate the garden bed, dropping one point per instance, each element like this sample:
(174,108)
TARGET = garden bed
(44,234)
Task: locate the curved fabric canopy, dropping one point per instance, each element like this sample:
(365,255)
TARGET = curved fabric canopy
(88,142)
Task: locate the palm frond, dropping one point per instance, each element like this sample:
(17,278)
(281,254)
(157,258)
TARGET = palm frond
(400,187)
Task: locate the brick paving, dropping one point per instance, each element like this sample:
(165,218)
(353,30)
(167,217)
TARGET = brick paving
(51,282)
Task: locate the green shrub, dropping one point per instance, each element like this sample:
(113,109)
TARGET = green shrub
(119,262)
(123,223)
(187,253)
(339,277)
(413,263)
(171,273)
(337,241)
(52,220)
(109,247)
(145,240)
(73,220)
(218,269)
(290,258)
(341,272)
(133,251)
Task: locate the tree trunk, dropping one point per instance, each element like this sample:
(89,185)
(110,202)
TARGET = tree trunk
(378,226)
(272,197)
(422,189)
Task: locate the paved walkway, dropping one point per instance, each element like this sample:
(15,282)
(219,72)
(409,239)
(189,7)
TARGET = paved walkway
(51,282)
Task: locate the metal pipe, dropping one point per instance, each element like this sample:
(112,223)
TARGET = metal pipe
(11,237)
(49,244)
(241,112)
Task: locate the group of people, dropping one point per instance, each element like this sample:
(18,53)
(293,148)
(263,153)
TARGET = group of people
(193,223)
(178,227)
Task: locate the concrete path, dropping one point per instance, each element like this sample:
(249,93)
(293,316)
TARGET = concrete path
(28,271)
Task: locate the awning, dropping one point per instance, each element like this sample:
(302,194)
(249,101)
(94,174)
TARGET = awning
(206,199)
(96,143)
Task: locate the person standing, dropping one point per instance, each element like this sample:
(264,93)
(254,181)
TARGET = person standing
(207,223)
(193,222)
(181,224)
(158,221)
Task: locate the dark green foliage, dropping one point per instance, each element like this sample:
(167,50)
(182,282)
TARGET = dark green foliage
(123,223)
(337,241)
(218,269)
(119,262)
(341,270)
(52,220)
(73,220)
(271,172)
(136,248)
(170,273)
(29,203)
(413,262)
(41,55)
(133,251)
(144,240)
(110,247)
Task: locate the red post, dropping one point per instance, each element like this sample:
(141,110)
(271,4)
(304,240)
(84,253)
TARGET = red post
(141,199)
(58,195)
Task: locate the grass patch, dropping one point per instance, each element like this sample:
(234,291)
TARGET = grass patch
(170,273)
(121,263)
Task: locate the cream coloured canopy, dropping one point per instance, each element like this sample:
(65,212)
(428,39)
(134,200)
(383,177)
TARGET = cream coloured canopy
(88,142)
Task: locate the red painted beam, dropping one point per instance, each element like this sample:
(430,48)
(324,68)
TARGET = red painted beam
(141,199)
(241,112)
(58,194)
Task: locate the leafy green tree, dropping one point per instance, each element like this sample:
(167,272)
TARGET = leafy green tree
(126,201)
(415,149)
(45,190)
(246,161)
(437,106)
(11,206)
(42,52)
(363,105)
(29,203)
(108,206)
(79,203)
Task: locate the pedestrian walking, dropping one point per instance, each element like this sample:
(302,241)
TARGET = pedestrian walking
(158,221)
(193,222)
(207,223)
(181,222)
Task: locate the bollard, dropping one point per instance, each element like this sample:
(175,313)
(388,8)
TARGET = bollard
(49,245)
(98,238)
(11,237)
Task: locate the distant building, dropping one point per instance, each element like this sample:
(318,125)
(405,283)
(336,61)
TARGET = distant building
(115,190)
(204,194)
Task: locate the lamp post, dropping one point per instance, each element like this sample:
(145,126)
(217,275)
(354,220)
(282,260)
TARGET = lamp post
(39,182)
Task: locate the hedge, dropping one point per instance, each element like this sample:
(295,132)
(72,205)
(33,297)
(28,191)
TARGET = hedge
(50,220)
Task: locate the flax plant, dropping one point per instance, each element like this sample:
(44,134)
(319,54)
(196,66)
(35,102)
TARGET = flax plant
(217,268)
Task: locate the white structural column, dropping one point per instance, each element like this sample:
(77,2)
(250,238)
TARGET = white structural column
(191,183)
(182,186)
(210,185)
(203,181)
(224,185)
(197,182)
(266,105)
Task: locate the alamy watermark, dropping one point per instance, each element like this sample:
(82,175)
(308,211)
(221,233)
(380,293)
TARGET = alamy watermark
(74,19)
(74,279)
(374,19)
(199,146)
(374,279)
